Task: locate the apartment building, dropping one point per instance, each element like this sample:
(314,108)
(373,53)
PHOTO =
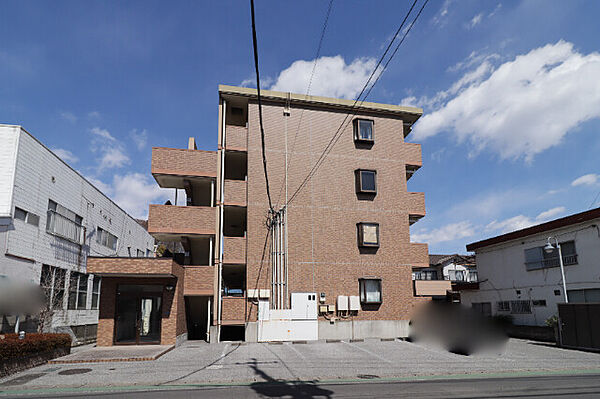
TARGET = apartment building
(520,274)
(51,220)
(334,259)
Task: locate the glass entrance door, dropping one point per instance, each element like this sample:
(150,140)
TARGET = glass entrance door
(138,315)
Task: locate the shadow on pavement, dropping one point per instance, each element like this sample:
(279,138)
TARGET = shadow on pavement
(273,388)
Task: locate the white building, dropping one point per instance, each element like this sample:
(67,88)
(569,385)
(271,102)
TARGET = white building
(51,219)
(518,278)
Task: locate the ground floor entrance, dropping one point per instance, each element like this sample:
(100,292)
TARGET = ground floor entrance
(138,314)
(198,311)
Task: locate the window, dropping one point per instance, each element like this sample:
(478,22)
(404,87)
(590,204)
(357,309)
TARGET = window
(103,237)
(425,275)
(370,290)
(64,223)
(539,303)
(78,290)
(456,275)
(52,282)
(95,292)
(363,130)
(27,217)
(584,296)
(368,234)
(537,258)
(503,306)
(520,307)
(484,308)
(366,181)
(557,293)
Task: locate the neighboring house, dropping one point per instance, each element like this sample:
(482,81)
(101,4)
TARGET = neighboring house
(51,220)
(345,268)
(518,277)
(446,275)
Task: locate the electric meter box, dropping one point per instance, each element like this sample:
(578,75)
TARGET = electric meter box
(304,306)
(342,303)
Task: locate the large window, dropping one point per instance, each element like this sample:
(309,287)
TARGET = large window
(425,275)
(53,282)
(107,239)
(27,217)
(366,181)
(503,306)
(370,290)
(78,290)
(368,234)
(363,130)
(95,292)
(536,258)
(64,223)
(584,296)
(520,307)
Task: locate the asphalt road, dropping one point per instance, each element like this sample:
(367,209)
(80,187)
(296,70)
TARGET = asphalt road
(556,386)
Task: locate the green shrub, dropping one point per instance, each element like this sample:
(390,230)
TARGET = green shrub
(11,347)
(552,321)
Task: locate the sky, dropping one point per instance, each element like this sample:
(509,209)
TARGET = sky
(510,92)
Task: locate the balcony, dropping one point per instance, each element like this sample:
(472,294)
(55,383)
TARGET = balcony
(134,267)
(172,166)
(416,207)
(199,280)
(412,154)
(234,250)
(233,310)
(431,287)
(235,192)
(418,255)
(170,222)
(236,138)
(568,260)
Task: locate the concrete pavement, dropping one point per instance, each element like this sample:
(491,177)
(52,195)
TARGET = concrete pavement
(201,363)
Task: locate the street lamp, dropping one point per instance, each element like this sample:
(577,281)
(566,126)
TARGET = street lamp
(549,248)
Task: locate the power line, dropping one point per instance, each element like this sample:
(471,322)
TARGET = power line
(343,125)
(307,92)
(260,117)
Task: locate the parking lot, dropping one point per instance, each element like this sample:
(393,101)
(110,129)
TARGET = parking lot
(201,363)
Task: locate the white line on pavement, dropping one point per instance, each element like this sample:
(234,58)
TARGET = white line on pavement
(369,352)
(297,352)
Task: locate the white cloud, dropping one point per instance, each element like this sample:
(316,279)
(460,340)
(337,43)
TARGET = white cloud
(550,214)
(112,152)
(475,21)
(512,109)
(68,116)
(495,11)
(332,78)
(449,232)
(521,221)
(586,180)
(93,115)
(65,155)
(139,138)
(440,18)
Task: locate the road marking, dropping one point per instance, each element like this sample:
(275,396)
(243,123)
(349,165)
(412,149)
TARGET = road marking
(369,352)
(297,352)
(222,354)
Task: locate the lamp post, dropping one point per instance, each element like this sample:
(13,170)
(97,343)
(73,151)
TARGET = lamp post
(549,248)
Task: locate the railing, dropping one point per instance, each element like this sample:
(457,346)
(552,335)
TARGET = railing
(552,262)
(64,227)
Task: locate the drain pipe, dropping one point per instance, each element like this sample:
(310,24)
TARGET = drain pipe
(222,194)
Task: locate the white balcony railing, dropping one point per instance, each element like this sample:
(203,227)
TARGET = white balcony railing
(64,227)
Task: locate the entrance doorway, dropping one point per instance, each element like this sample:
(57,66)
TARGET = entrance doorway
(198,316)
(138,314)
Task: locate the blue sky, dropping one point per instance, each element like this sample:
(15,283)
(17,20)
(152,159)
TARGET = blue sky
(510,89)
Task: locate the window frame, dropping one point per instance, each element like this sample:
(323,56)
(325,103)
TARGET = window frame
(50,282)
(27,216)
(525,309)
(78,289)
(360,235)
(102,238)
(503,306)
(363,292)
(357,137)
(96,292)
(359,181)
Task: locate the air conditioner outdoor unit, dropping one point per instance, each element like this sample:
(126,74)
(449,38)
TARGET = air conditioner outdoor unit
(354,303)
(342,302)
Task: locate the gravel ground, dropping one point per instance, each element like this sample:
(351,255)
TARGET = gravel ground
(201,363)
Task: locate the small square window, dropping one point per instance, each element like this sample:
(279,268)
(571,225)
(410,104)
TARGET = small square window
(20,214)
(363,130)
(557,292)
(539,302)
(370,290)
(368,234)
(366,181)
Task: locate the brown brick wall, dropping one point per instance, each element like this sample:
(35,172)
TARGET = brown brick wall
(323,251)
(412,154)
(234,250)
(236,138)
(199,280)
(235,192)
(184,162)
(181,219)
(234,309)
(130,265)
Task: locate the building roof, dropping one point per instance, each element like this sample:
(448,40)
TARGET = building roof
(436,260)
(410,114)
(540,228)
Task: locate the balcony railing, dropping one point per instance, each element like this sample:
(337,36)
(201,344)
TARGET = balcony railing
(181,220)
(568,260)
(64,227)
